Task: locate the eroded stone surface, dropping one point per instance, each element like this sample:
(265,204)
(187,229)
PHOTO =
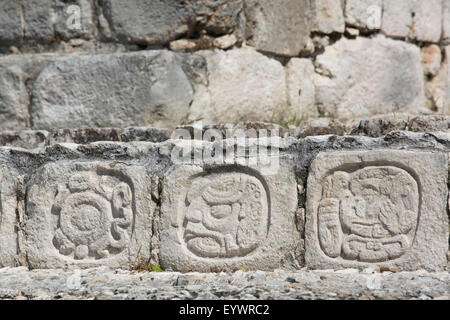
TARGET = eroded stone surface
(87,214)
(8,217)
(280,28)
(158,22)
(438,89)
(10,22)
(242,85)
(365,77)
(383,208)
(13,99)
(328,16)
(446,21)
(17,74)
(115,90)
(419,20)
(397,18)
(427,20)
(227,218)
(300,88)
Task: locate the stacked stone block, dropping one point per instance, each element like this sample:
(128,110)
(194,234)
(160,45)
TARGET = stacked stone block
(165,63)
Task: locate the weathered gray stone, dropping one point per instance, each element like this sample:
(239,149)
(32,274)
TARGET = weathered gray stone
(427,21)
(33,139)
(419,20)
(88,214)
(116,90)
(364,77)
(10,23)
(397,18)
(438,88)
(280,28)
(447,86)
(8,217)
(14,99)
(17,73)
(365,14)
(159,22)
(300,88)
(228,218)
(446,22)
(39,18)
(150,22)
(328,16)
(243,85)
(380,208)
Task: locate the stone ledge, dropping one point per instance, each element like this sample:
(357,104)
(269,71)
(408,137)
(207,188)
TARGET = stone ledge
(374,127)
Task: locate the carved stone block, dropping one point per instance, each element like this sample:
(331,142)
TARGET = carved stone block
(384,207)
(8,220)
(227,218)
(88,214)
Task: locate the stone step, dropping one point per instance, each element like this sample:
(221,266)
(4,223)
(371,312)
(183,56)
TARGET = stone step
(265,202)
(106,284)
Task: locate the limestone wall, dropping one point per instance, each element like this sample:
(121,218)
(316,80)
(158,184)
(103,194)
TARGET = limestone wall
(86,63)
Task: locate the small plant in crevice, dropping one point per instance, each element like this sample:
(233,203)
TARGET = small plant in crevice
(143,264)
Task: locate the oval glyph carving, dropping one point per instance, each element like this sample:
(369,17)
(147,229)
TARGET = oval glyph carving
(226,215)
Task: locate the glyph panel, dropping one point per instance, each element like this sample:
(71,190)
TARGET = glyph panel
(376,207)
(227,218)
(90,214)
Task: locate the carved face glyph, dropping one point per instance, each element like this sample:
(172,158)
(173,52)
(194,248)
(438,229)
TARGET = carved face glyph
(227,215)
(369,214)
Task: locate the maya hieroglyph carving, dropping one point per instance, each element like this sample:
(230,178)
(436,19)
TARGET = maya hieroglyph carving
(369,215)
(94,216)
(227,215)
